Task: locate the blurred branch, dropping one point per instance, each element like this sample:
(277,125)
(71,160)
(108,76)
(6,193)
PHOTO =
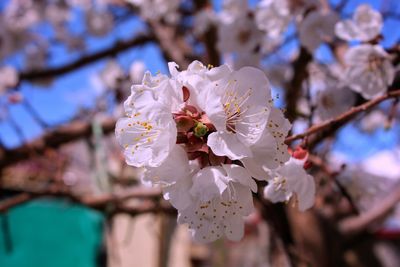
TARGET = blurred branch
(100,202)
(119,46)
(53,139)
(293,88)
(382,208)
(173,47)
(324,167)
(343,118)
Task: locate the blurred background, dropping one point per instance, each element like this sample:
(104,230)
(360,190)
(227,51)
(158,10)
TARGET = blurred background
(67,198)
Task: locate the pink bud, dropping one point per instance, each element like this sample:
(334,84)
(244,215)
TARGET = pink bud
(300,153)
(184,123)
(15,98)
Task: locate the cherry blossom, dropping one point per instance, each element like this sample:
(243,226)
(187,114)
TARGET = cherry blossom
(365,25)
(240,112)
(157,9)
(369,70)
(273,17)
(316,28)
(148,133)
(333,101)
(223,197)
(291,180)
(8,78)
(240,35)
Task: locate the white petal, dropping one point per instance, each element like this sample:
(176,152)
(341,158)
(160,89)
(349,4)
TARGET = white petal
(227,144)
(174,168)
(241,175)
(208,183)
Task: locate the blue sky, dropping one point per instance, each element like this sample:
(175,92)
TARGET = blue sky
(59,102)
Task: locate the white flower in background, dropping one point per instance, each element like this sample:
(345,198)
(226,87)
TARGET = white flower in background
(238,107)
(365,26)
(316,28)
(157,9)
(273,17)
(136,71)
(112,74)
(21,14)
(203,20)
(291,180)
(369,70)
(373,120)
(232,10)
(333,101)
(222,197)
(98,22)
(8,78)
(240,35)
(57,13)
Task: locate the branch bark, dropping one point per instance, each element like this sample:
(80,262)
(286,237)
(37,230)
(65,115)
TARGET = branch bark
(344,117)
(100,202)
(53,139)
(119,46)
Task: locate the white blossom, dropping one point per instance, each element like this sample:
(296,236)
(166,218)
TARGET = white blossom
(333,101)
(148,133)
(112,74)
(238,107)
(203,20)
(316,28)
(157,9)
(240,35)
(99,22)
(8,78)
(232,10)
(369,70)
(289,180)
(186,130)
(270,151)
(373,120)
(273,17)
(365,25)
(222,198)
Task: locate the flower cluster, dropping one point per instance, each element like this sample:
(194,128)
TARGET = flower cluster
(203,134)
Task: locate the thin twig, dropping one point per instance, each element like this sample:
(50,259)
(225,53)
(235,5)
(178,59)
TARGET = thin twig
(344,117)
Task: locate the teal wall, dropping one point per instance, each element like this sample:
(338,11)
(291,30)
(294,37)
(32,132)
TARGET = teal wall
(48,233)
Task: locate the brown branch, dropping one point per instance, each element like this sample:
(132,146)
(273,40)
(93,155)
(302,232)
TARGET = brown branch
(119,46)
(54,139)
(100,202)
(344,117)
(323,166)
(173,47)
(293,90)
(382,208)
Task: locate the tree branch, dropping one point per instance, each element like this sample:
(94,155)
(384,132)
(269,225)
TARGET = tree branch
(100,202)
(356,224)
(344,117)
(54,139)
(119,46)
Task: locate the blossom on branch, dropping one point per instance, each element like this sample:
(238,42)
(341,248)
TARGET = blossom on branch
(365,26)
(369,70)
(203,134)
